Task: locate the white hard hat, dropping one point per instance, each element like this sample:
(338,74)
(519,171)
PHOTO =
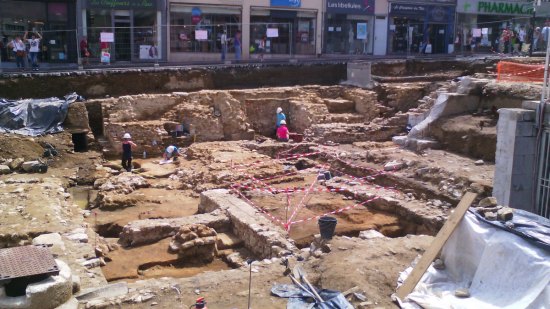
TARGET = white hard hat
(170,149)
(127,136)
(279,110)
(283,122)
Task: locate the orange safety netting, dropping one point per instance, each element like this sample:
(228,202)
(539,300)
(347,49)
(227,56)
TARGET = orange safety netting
(517,72)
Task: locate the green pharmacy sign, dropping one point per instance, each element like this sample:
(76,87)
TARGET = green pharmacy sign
(505,8)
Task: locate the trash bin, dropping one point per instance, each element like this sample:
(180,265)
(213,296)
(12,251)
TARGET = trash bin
(327,226)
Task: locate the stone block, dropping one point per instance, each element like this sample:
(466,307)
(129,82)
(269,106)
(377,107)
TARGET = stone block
(400,140)
(16,164)
(370,234)
(53,240)
(505,214)
(228,241)
(4,170)
(148,231)
(488,202)
(106,291)
(393,166)
(29,166)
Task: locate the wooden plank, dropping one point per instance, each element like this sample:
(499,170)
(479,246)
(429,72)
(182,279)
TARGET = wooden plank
(426,260)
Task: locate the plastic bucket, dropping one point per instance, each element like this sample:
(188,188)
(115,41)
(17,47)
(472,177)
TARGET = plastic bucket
(327,226)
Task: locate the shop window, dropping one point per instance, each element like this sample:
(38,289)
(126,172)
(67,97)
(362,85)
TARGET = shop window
(207,22)
(346,34)
(295,31)
(145,35)
(406,35)
(97,21)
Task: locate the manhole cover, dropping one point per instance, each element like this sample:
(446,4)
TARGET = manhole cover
(26,261)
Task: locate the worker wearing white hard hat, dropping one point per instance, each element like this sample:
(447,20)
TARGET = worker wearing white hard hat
(280,116)
(282,132)
(127,145)
(171,152)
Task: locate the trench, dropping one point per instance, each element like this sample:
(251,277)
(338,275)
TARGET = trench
(332,106)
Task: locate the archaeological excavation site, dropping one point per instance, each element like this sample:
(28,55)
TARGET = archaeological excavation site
(379,158)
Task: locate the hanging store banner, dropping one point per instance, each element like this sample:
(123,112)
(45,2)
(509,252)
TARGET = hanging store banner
(502,7)
(287,3)
(408,9)
(355,7)
(122,4)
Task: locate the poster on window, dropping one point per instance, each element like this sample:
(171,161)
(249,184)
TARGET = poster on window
(476,33)
(361,31)
(272,32)
(201,35)
(148,52)
(107,37)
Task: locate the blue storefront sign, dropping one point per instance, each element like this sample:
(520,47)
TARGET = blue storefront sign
(432,13)
(357,7)
(287,3)
(408,9)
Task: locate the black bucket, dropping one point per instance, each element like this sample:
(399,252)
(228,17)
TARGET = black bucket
(327,226)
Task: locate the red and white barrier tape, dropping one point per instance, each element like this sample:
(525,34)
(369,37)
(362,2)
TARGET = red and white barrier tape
(333,212)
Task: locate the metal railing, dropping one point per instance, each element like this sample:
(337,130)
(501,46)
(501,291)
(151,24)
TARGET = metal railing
(543,185)
(97,46)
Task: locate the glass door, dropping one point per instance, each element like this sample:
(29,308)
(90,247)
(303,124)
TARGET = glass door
(122,24)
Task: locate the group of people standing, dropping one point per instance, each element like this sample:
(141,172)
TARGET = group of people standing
(225,41)
(25,50)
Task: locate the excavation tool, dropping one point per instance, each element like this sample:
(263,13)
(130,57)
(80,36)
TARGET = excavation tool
(299,272)
(249,262)
(293,274)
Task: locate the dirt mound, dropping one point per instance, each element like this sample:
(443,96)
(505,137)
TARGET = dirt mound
(12,146)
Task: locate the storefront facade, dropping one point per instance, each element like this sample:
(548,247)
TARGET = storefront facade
(288,26)
(480,23)
(349,27)
(282,27)
(412,24)
(196,27)
(126,30)
(55,21)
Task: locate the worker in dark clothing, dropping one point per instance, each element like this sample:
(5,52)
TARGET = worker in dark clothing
(127,145)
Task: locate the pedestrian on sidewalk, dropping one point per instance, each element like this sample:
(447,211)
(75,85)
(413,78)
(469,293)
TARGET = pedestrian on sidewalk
(127,145)
(237,45)
(84,52)
(261,48)
(536,38)
(282,132)
(223,42)
(19,49)
(34,49)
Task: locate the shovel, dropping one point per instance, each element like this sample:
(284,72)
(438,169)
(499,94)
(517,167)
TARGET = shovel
(288,273)
(299,273)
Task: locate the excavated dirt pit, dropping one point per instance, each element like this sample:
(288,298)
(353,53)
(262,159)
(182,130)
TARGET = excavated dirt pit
(322,114)
(235,180)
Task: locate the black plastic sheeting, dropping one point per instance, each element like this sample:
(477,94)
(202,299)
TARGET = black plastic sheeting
(34,117)
(300,299)
(531,227)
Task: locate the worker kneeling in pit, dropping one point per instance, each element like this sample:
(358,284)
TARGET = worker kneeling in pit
(282,132)
(172,152)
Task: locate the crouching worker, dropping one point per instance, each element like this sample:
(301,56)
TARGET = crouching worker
(282,132)
(171,152)
(127,145)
